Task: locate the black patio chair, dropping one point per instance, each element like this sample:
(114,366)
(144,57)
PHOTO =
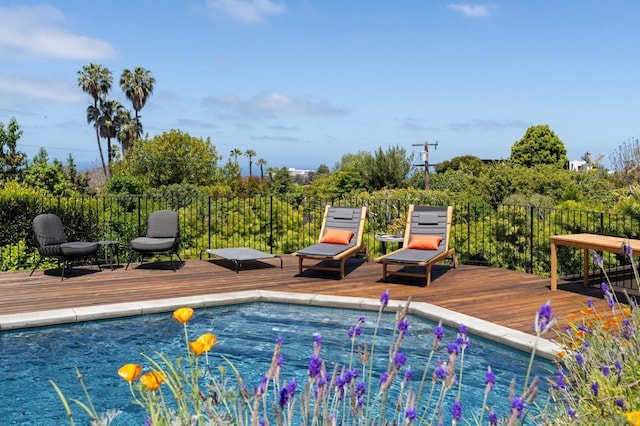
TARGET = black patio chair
(162,238)
(51,241)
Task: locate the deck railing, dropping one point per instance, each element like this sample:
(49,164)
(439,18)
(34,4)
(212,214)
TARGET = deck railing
(506,236)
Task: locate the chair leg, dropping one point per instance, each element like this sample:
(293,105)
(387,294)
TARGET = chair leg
(36,267)
(130,259)
(299,265)
(342,262)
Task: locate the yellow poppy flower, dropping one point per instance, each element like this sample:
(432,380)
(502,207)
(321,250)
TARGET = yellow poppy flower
(152,380)
(130,372)
(196,347)
(183,315)
(208,341)
(633,417)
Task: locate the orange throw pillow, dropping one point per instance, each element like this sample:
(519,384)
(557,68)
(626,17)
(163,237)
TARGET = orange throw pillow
(336,236)
(424,242)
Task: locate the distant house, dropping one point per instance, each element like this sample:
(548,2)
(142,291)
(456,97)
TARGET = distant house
(579,166)
(301,176)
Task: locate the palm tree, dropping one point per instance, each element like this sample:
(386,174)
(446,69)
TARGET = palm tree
(261,162)
(105,119)
(235,153)
(95,80)
(250,153)
(137,87)
(129,130)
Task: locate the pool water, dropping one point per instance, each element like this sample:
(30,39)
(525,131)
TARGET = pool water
(247,333)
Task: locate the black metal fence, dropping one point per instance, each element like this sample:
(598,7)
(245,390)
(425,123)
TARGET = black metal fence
(505,236)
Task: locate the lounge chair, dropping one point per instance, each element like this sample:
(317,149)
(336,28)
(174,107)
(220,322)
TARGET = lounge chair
(426,242)
(51,241)
(340,239)
(162,238)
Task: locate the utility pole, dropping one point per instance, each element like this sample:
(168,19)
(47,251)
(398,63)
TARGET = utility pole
(425,158)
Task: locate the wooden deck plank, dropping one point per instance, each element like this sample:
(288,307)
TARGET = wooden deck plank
(505,297)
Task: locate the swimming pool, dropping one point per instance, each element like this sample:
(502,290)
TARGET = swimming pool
(246,332)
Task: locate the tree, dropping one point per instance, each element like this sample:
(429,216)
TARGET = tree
(261,163)
(108,122)
(467,164)
(385,169)
(250,153)
(96,80)
(235,153)
(539,145)
(279,180)
(129,129)
(48,177)
(323,169)
(625,160)
(172,158)
(11,160)
(137,86)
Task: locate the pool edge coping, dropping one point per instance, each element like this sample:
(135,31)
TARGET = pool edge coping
(516,339)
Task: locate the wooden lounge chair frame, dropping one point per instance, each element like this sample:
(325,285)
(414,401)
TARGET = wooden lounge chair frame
(334,219)
(395,258)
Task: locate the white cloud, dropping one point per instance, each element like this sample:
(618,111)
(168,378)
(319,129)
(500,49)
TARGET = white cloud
(486,124)
(250,11)
(472,10)
(34,88)
(268,105)
(37,31)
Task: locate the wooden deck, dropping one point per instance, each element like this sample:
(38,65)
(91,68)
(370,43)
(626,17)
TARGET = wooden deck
(501,296)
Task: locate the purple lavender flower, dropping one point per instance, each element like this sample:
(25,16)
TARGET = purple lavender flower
(354,373)
(489,379)
(403,326)
(261,388)
(410,413)
(517,405)
(453,348)
(493,418)
(441,372)
(572,414)
(462,329)
(148,421)
(400,359)
(604,287)
(383,378)
(560,380)
(362,320)
(315,366)
(438,331)
(598,260)
(279,340)
(317,339)
(283,397)
(456,410)
(407,374)
(605,370)
(618,366)
(354,332)
(590,303)
(620,403)
(384,299)
(462,341)
(579,359)
(544,318)
(627,249)
(361,387)
(280,361)
(595,388)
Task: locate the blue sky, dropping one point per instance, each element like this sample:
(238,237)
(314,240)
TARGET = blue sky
(302,82)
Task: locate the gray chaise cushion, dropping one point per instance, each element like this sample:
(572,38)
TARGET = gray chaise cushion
(324,249)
